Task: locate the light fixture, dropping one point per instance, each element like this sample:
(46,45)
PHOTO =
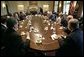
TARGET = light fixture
(60,5)
(46,7)
(20,7)
(3,5)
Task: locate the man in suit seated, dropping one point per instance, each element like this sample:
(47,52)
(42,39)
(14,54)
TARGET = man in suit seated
(53,16)
(3,23)
(41,10)
(3,28)
(13,43)
(64,23)
(73,44)
(22,16)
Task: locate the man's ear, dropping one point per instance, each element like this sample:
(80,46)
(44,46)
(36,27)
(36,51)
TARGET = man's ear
(14,26)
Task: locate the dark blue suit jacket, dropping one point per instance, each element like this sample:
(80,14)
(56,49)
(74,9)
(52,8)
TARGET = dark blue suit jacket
(73,44)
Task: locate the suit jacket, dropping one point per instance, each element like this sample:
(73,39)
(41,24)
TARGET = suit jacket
(2,30)
(66,30)
(41,10)
(64,22)
(13,43)
(53,17)
(22,16)
(73,44)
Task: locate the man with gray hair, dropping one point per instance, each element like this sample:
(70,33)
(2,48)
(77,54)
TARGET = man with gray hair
(77,34)
(73,44)
(73,24)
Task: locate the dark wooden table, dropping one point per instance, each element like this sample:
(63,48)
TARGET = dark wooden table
(38,23)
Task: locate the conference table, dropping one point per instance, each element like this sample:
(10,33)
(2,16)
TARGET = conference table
(41,31)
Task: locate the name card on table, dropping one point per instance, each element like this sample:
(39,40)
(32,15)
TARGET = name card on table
(54,36)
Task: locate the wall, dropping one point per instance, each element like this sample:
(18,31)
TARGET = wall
(12,5)
(3,10)
(50,3)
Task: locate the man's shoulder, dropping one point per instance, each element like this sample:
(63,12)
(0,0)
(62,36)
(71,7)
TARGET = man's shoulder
(2,28)
(11,33)
(76,32)
(76,35)
(15,34)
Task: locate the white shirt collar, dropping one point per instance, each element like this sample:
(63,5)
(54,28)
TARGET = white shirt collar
(3,25)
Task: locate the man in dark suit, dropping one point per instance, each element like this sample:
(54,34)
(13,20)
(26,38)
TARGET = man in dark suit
(64,23)
(73,44)
(14,46)
(22,16)
(3,28)
(53,17)
(3,24)
(41,10)
(12,40)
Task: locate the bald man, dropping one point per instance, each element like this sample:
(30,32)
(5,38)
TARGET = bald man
(73,44)
(69,17)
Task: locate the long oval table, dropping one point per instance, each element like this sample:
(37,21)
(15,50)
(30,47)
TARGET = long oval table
(38,23)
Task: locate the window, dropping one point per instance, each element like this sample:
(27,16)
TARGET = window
(66,7)
(3,5)
(3,8)
(56,6)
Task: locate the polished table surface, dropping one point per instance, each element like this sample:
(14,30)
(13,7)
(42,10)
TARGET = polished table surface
(38,23)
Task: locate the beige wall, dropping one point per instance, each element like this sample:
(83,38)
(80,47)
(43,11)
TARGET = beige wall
(3,10)
(50,3)
(12,5)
